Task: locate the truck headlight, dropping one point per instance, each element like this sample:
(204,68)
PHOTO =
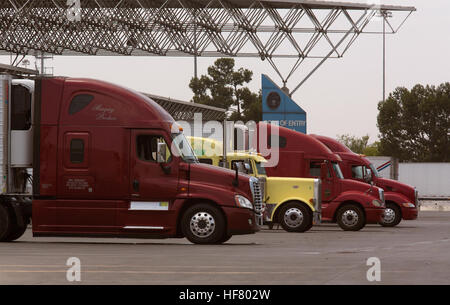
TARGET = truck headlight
(408,205)
(377,203)
(243,202)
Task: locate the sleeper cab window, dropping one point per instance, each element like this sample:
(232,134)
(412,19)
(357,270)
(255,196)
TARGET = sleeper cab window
(147,148)
(76,151)
(79,102)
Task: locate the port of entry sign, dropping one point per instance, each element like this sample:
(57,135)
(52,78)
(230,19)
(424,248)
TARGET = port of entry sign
(278,106)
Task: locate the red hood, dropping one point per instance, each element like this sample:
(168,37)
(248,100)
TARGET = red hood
(394,186)
(353,185)
(213,175)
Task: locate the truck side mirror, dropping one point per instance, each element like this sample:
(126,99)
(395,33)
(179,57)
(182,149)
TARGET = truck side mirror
(323,170)
(161,155)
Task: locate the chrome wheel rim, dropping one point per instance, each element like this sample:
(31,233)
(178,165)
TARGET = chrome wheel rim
(202,224)
(389,215)
(350,218)
(293,217)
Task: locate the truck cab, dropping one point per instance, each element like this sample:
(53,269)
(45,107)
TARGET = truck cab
(401,199)
(295,203)
(350,203)
(108,161)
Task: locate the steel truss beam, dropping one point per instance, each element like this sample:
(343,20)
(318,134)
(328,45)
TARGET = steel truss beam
(265,29)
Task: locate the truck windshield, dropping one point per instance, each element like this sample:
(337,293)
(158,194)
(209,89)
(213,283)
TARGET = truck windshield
(337,170)
(374,170)
(184,149)
(260,168)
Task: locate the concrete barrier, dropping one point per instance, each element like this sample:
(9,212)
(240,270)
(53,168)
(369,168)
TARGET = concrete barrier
(435,205)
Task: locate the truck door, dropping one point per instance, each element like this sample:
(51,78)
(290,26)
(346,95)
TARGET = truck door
(328,185)
(153,186)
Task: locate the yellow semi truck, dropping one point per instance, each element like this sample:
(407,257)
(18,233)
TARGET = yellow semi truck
(294,203)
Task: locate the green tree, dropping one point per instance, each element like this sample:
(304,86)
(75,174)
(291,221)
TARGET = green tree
(415,125)
(355,144)
(372,149)
(359,145)
(224,87)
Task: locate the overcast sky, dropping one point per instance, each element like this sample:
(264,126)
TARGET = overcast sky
(340,98)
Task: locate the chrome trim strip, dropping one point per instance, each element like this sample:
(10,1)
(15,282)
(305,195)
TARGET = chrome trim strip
(149,206)
(143,227)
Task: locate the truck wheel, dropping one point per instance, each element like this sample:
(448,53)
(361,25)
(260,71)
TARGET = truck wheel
(5,223)
(203,224)
(392,215)
(295,217)
(351,218)
(226,237)
(16,233)
(309,227)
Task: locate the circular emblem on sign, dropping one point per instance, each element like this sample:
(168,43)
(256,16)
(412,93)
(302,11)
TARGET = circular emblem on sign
(273,100)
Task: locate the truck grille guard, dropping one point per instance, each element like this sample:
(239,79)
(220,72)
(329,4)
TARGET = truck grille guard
(257,188)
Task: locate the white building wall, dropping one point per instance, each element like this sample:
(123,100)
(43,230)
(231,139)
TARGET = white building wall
(430,179)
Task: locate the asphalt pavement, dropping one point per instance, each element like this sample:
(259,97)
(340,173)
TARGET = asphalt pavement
(414,252)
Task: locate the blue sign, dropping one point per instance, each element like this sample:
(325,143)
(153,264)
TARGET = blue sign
(278,106)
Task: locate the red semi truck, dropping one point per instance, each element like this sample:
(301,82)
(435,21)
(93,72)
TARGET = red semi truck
(350,203)
(108,161)
(401,199)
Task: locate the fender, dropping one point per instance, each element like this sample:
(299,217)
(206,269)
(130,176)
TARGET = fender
(396,198)
(215,193)
(362,198)
(278,205)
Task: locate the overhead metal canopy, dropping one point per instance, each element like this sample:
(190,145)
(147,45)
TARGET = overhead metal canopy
(247,28)
(185,111)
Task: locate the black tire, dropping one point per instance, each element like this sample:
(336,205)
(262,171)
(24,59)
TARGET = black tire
(203,224)
(16,233)
(295,217)
(5,223)
(226,237)
(392,215)
(309,227)
(351,218)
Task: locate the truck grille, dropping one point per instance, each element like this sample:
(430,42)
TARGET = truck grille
(257,191)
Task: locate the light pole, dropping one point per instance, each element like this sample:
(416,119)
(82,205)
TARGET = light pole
(384,15)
